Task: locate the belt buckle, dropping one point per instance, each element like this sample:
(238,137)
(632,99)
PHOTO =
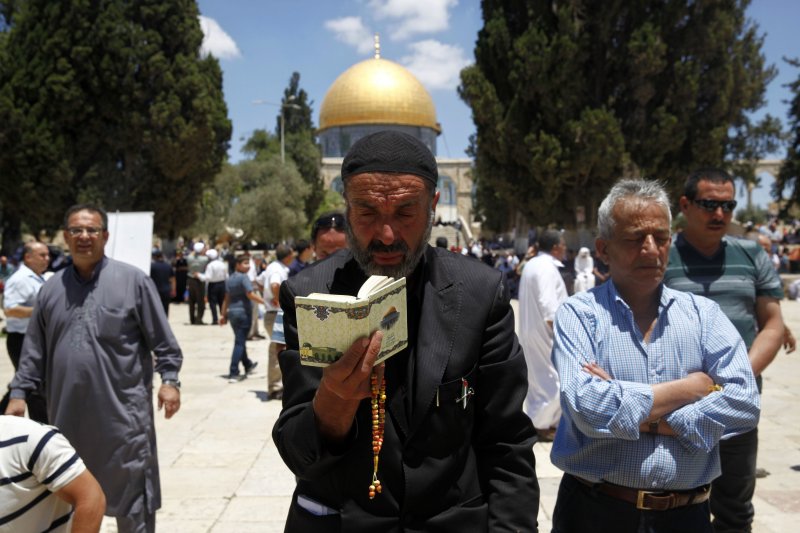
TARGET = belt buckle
(640,500)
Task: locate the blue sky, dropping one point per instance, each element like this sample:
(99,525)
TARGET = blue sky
(260,43)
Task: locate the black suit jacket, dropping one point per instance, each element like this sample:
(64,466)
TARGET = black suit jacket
(443,467)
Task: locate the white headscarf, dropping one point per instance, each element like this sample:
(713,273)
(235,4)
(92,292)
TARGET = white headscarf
(584,262)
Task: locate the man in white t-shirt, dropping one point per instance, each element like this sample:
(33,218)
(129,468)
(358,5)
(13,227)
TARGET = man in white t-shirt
(270,282)
(45,485)
(541,291)
(252,274)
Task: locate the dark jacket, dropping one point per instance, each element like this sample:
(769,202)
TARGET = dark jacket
(444,467)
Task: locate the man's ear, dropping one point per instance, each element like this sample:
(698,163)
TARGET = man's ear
(683,203)
(600,246)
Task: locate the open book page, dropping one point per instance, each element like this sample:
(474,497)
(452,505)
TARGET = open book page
(331,297)
(388,313)
(328,324)
(373,284)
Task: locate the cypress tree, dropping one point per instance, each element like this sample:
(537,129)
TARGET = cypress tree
(569,96)
(108,101)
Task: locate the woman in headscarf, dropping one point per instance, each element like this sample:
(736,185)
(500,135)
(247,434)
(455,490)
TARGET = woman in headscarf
(584,266)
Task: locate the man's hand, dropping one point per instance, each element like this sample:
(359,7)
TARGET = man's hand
(789,342)
(344,384)
(700,384)
(169,397)
(16,407)
(596,370)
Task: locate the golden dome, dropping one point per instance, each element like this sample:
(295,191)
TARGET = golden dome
(377,91)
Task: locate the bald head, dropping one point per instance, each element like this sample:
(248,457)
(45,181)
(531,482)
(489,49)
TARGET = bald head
(36,256)
(765,243)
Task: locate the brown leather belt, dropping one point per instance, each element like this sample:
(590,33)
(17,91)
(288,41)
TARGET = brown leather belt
(648,500)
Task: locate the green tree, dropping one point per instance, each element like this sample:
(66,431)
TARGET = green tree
(216,203)
(270,206)
(789,177)
(301,141)
(569,96)
(108,102)
(262,199)
(752,143)
(262,145)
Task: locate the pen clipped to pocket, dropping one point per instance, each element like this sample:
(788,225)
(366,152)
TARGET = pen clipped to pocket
(459,391)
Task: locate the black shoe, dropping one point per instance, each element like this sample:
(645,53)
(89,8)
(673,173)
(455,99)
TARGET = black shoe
(237,378)
(276,395)
(252,368)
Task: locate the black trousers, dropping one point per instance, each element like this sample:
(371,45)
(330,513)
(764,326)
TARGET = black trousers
(37,407)
(165,300)
(580,509)
(216,295)
(732,492)
(180,286)
(197,305)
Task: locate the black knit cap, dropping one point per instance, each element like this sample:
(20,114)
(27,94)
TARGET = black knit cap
(391,152)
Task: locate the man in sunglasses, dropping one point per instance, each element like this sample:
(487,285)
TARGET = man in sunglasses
(738,275)
(328,235)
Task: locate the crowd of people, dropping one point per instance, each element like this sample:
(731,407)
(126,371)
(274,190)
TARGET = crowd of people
(641,361)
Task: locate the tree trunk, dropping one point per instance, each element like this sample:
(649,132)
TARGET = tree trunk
(11,234)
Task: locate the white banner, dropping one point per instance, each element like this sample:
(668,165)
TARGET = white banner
(130,238)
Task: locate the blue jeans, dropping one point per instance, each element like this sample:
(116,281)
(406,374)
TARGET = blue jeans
(240,322)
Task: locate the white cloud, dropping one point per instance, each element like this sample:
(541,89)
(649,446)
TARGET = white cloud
(414,16)
(351,30)
(436,65)
(216,42)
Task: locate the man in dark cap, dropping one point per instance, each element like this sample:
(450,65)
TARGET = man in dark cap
(454,452)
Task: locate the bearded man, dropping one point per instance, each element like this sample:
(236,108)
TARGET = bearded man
(456,451)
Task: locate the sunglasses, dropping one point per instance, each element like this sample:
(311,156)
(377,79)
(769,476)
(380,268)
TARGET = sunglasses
(712,205)
(331,221)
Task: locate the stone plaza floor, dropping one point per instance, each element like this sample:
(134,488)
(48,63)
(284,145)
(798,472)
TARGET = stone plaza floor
(220,471)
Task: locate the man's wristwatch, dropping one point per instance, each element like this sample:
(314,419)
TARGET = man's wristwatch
(654,425)
(171,383)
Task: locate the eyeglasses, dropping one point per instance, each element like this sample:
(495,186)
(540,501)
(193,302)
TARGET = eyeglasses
(331,221)
(712,205)
(90,231)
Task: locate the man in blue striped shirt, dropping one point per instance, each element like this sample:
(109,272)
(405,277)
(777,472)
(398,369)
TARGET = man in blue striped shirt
(651,380)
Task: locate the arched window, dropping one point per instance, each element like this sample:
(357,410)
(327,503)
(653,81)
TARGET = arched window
(447,190)
(337,185)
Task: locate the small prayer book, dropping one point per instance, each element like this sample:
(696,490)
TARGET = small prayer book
(328,324)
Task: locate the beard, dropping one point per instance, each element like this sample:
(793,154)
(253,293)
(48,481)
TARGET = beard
(411,258)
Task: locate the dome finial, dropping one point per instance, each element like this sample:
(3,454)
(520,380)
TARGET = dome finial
(377,46)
